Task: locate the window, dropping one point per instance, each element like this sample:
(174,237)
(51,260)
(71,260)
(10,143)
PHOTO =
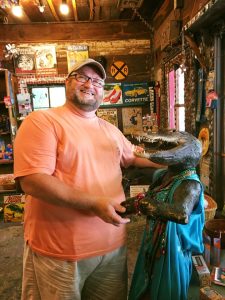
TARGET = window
(179,100)
(171,100)
(176,100)
(44,97)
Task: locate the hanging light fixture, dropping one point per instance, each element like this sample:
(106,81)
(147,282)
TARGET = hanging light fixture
(41,6)
(17,10)
(64,8)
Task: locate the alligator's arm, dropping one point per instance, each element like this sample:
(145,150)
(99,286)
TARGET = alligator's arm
(186,196)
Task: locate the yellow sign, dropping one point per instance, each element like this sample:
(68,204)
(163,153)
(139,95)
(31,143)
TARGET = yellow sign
(119,70)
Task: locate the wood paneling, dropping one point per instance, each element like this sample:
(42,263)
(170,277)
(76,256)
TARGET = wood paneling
(73,32)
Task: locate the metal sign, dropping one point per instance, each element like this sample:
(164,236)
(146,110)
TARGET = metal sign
(119,70)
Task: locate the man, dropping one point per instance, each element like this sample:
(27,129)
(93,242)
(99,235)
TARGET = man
(67,161)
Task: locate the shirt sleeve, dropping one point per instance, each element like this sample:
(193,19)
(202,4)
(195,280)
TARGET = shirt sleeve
(35,146)
(127,158)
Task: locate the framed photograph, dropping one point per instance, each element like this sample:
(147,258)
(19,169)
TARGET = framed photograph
(132,120)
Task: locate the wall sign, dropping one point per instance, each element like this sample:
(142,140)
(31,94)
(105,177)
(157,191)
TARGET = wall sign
(112,94)
(119,70)
(135,93)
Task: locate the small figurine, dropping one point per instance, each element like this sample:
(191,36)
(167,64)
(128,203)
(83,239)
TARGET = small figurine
(174,207)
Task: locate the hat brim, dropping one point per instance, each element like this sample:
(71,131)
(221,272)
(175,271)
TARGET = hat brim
(86,62)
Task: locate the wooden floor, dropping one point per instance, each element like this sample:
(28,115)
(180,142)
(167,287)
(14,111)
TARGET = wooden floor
(11,251)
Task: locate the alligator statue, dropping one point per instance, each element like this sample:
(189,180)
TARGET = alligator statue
(174,210)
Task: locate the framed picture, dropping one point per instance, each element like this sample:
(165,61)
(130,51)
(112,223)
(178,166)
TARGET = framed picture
(46,59)
(25,61)
(112,94)
(132,120)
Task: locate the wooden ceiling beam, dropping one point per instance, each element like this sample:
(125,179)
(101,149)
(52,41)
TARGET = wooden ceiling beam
(75,10)
(53,11)
(91,2)
(81,31)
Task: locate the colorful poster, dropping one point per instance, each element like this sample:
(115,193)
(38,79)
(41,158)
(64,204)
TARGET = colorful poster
(14,208)
(45,59)
(132,120)
(76,53)
(108,114)
(135,93)
(24,104)
(25,61)
(112,94)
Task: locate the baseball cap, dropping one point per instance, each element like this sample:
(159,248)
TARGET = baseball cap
(88,61)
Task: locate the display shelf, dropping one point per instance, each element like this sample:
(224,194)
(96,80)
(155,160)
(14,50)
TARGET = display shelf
(6,161)
(8,124)
(7,191)
(4,133)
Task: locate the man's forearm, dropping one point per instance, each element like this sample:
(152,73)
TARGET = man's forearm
(50,189)
(146,163)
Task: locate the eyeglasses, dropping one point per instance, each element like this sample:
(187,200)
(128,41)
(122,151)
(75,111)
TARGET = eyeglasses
(83,78)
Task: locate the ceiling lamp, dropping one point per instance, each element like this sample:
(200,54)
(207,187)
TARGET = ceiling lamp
(41,6)
(64,8)
(17,10)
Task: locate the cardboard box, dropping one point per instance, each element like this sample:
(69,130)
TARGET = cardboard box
(202,270)
(207,293)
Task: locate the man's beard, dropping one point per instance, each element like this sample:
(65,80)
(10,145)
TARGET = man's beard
(86,104)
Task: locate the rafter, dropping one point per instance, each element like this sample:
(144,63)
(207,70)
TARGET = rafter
(75,10)
(91,2)
(84,31)
(51,6)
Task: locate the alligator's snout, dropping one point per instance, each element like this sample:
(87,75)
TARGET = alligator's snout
(173,148)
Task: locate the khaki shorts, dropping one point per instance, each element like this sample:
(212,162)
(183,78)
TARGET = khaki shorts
(98,278)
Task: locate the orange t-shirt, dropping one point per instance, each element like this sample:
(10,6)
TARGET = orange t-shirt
(85,152)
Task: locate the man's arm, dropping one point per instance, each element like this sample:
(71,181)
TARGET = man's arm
(50,189)
(146,163)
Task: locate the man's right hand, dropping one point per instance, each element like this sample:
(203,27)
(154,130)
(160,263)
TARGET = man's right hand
(108,212)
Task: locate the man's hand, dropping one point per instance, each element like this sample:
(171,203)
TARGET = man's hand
(108,212)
